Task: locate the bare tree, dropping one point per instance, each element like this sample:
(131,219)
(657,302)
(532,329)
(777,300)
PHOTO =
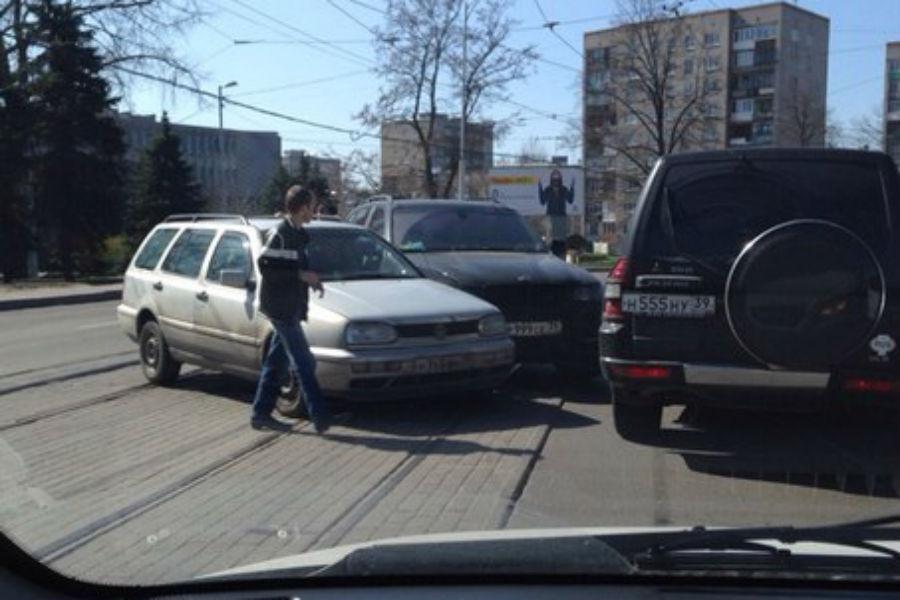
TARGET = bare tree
(532,151)
(642,115)
(420,62)
(134,33)
(803,120)
(867,130)
(360,172)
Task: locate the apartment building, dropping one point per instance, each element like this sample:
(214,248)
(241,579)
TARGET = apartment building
(754,76)
(233,167)
(402,159)
(892,102)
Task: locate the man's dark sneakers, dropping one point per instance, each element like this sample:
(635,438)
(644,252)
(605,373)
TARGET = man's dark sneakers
(269,423)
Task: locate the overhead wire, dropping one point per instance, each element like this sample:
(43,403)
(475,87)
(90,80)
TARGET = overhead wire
(551,27)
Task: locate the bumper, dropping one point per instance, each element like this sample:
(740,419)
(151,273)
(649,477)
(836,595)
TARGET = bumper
(127,318)
(668,382)
(377,374)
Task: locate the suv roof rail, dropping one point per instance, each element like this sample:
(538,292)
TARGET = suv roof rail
(194,217)
(378,197)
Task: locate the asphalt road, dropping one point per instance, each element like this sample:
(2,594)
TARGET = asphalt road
(107,478)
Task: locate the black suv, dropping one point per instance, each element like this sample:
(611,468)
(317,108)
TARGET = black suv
(765,277)
(553,308)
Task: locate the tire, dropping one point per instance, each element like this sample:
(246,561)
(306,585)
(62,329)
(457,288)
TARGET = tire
(291,402)
(635,422)
(805,294)
(157,364)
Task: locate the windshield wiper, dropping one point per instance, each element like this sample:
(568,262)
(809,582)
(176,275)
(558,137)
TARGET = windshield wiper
(700,542)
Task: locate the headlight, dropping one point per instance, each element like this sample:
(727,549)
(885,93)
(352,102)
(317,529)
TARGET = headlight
(587,293)
(493,325)
(370,333)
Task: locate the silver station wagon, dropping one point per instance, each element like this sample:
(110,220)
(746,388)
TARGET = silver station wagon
(380,331)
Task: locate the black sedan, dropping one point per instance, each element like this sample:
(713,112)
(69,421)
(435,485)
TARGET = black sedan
(553,308)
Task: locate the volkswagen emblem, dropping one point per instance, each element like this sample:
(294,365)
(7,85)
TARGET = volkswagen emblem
(440,331)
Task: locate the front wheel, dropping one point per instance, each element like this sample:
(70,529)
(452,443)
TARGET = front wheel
(291,401)
(157,364)
(635,422)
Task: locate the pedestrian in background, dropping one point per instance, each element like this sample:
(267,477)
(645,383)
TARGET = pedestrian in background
(284,299)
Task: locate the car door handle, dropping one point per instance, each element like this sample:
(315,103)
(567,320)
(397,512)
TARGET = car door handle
(158,286)
(202,296)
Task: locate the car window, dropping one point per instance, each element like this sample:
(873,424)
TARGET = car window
(460,228)
(347,254)
(711,212)
(358,216)
(154,248)
(232,253)
(377,222)
(187,253)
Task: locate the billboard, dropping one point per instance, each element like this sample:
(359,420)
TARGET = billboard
(540,190)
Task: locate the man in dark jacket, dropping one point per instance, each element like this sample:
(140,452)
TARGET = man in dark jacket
(284,299)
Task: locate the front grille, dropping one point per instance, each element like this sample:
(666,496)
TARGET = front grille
(528,302)
(437,330)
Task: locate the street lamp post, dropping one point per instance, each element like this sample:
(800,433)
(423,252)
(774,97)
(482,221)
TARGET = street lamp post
(222,162)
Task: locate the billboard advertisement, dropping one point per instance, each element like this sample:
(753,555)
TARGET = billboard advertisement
(554,191)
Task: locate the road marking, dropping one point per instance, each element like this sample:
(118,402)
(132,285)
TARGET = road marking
(96,325)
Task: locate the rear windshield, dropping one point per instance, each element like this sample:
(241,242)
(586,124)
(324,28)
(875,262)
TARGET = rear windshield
(711,210)
(462,228)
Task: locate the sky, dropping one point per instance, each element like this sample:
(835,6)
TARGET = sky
(327,86)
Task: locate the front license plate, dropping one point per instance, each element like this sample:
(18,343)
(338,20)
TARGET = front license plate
(534,328)
(669,305)
(439,365)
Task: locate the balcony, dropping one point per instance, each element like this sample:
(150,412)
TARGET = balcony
(742,117)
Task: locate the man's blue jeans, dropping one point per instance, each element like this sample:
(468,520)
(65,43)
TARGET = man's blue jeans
(289,347)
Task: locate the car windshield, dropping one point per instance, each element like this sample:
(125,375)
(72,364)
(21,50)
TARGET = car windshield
(462,228)
(339,254)
(499,289)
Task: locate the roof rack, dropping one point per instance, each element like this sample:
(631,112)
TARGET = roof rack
(194,217)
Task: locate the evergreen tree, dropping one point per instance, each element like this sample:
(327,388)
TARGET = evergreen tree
(164,184)
(78,167)
(308,175)
(16,124)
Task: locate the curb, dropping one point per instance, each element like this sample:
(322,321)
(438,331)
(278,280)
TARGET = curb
(82,298)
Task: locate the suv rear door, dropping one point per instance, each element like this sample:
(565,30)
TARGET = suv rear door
(699,216)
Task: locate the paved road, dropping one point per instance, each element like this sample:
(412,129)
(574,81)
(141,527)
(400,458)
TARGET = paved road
(107,478)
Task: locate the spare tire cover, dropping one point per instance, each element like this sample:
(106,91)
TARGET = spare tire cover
(804,294)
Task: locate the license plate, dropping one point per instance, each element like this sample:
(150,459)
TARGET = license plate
(534,328)
(439,365)
(669,305)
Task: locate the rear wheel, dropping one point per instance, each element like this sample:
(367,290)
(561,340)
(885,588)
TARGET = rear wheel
(291,401)
(157,364)
(634,421)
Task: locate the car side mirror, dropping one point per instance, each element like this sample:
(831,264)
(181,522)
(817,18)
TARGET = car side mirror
(236,278)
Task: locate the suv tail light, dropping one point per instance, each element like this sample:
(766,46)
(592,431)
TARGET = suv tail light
(641,371)
(876,386)
(619,277)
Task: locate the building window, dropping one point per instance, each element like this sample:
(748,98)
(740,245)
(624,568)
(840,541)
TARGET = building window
(689,42)
(710,132)
(688,66)
(756,32)
(743,106)
(711,38)
(894,65)
(689,88)
(711,85)
(712,63)
(743,58)
(894,105)
(629,118)
(764,106)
